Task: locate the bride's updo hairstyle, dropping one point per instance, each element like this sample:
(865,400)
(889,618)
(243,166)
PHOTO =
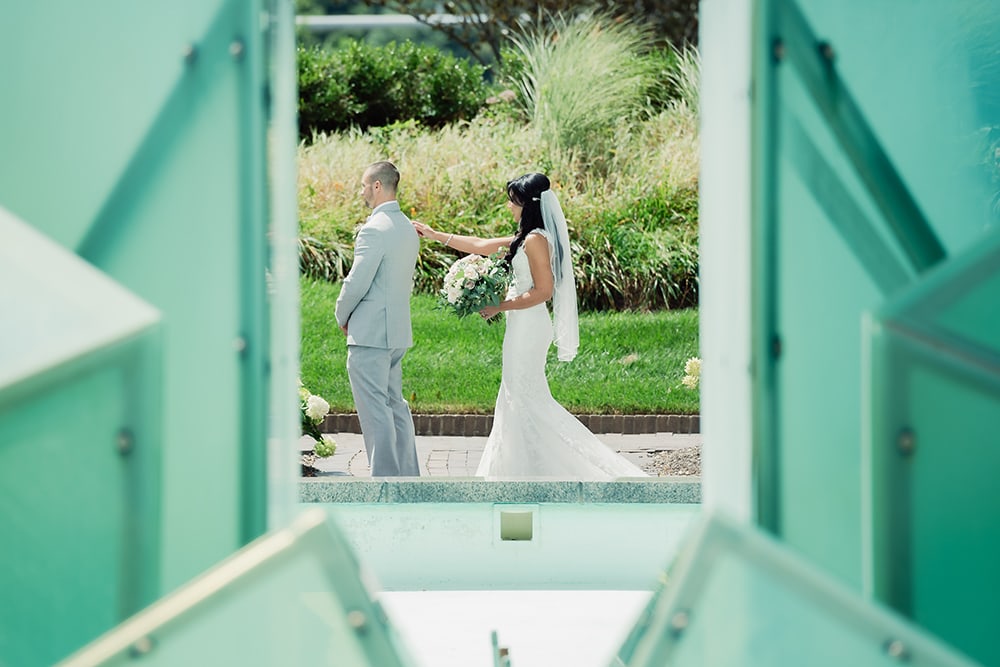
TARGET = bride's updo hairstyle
(526,191)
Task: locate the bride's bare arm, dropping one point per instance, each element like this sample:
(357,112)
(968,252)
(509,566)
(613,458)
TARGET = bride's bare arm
(536,247)
(470,244)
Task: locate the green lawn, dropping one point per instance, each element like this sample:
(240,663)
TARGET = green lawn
(628,363)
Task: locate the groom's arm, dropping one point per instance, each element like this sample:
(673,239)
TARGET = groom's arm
(368,254)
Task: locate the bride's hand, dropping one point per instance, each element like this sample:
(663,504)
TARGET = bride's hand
(423,231)
(489,311)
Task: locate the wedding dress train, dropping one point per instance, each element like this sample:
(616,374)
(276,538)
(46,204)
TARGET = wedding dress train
(533,435)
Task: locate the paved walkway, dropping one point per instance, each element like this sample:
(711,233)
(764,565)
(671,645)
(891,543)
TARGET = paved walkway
(458,456)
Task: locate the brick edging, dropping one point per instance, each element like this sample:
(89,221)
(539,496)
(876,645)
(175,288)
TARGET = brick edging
(479,425)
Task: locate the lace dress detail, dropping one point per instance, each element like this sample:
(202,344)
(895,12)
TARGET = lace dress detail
(533,435)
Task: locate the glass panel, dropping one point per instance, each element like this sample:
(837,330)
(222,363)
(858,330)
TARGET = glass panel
(863,189)
(61,305)
(934,451)
(737,597)
(934,51)
(74,573)
(283,470)
(79,450)
(817,325)
(115,66)
(158,179)
(293,597)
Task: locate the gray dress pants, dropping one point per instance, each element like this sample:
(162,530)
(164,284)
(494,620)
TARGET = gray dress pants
(386,423)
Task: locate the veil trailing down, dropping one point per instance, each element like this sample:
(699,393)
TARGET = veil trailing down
(564,315)
(533,436)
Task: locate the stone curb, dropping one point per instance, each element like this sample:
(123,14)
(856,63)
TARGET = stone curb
(659,490)
(480,425)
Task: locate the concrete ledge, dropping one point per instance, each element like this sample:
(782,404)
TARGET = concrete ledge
(480,425)
(675,490)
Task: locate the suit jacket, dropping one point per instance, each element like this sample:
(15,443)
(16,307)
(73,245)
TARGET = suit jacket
(374,300)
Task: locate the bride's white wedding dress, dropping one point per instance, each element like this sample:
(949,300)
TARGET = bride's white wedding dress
(533,435)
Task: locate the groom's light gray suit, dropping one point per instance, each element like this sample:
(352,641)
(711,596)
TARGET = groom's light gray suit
(374,304)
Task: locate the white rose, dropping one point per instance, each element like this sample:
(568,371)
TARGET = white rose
(316,408)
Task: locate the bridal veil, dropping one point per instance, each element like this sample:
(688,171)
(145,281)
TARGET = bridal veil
(564,313)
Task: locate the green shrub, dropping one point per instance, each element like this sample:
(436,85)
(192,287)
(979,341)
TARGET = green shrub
(367,86)
(664,84)
(580,79)
(322,95)
(642,256)
(684,80)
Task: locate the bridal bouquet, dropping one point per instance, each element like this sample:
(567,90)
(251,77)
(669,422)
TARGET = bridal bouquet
(474,282)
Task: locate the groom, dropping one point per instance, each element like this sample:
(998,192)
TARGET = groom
(373,309)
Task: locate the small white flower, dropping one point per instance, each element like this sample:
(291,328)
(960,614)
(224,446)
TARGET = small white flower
(316,408)
(692,368)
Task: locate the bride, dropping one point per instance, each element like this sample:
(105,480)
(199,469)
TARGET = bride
(533,435)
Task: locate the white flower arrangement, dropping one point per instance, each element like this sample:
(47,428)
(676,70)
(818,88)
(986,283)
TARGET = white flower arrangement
(314,409)
(692,373)
(474,282)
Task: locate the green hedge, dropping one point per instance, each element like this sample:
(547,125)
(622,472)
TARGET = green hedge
(367,86)
(643,256)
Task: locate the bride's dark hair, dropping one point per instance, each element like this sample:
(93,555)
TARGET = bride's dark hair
(526,191)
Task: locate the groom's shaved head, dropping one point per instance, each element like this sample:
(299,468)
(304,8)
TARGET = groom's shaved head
(386,173)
